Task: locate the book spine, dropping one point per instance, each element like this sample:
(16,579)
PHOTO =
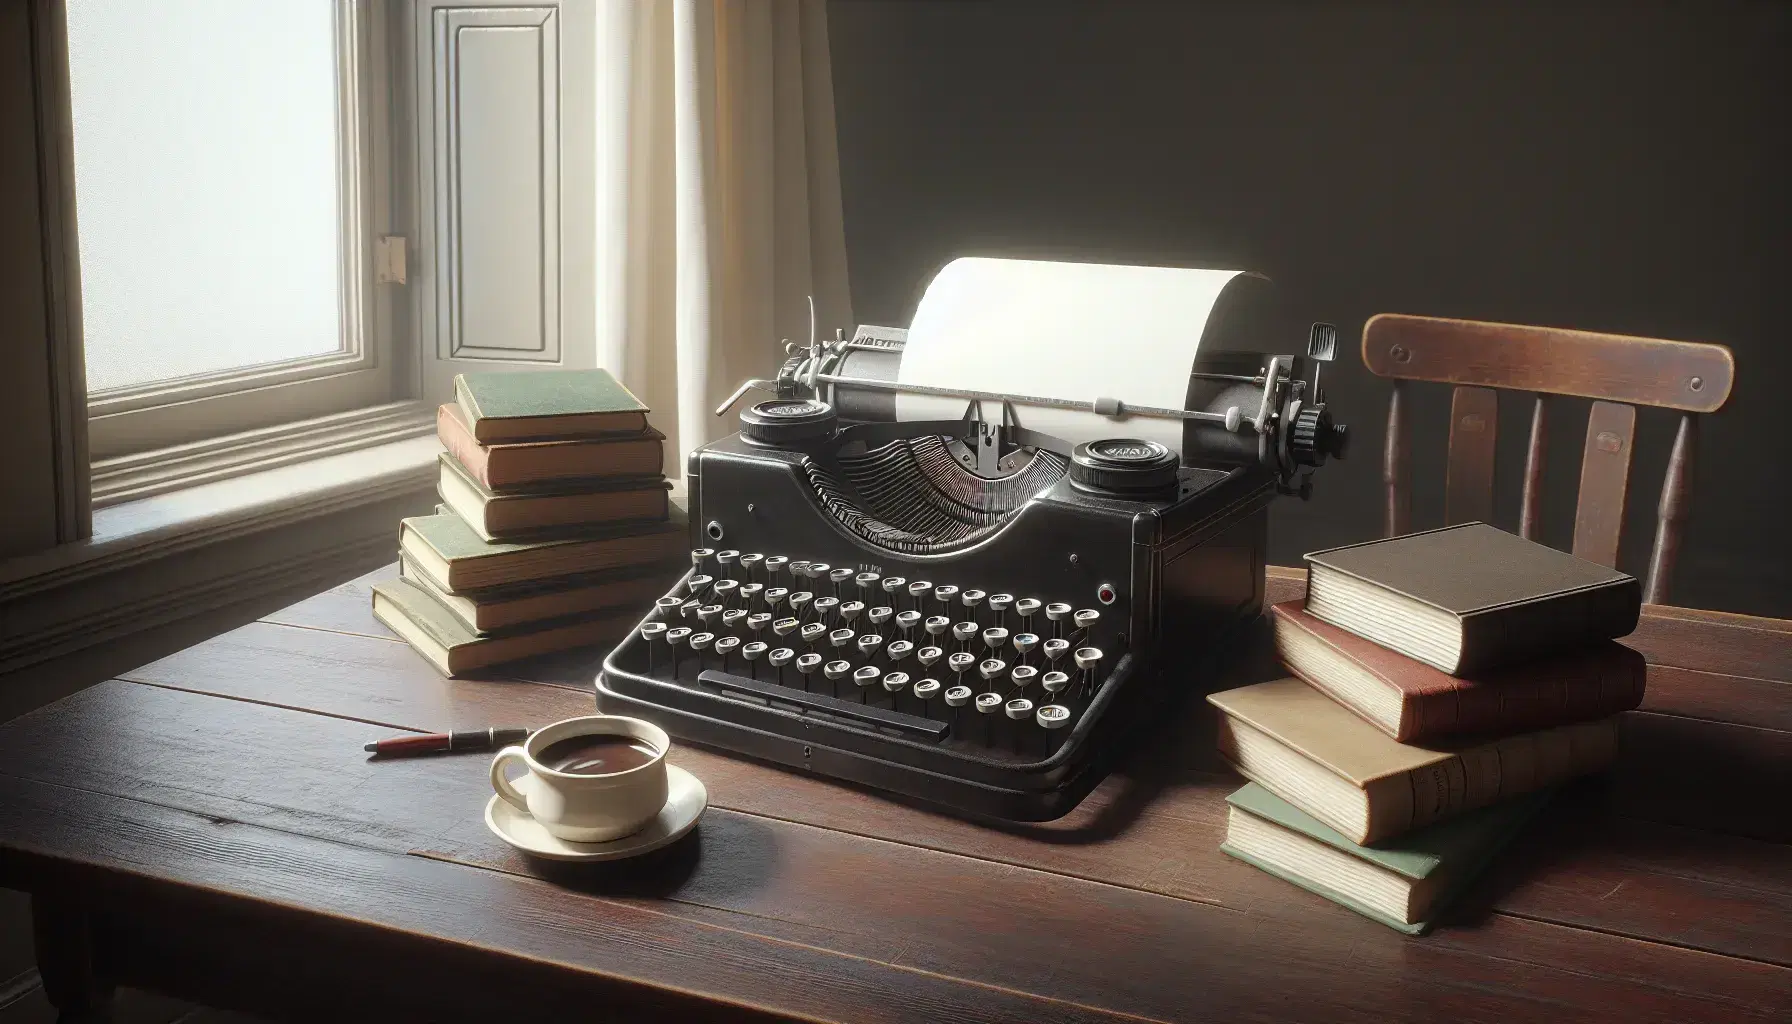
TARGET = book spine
(1563,692)
(1522,632)
(460,444)
(1489,773)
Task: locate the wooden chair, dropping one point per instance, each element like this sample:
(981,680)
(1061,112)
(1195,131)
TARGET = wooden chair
(1618,372)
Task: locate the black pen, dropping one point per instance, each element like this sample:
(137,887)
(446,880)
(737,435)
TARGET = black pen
(456,742)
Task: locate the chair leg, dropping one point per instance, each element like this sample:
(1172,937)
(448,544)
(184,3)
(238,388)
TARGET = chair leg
(63,934)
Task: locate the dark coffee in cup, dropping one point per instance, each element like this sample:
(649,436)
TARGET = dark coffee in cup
(596,754)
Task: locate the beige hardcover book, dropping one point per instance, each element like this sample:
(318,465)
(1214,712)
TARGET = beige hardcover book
(506,609)
(446,642)
(1296,742)
(512,516)
(456,557)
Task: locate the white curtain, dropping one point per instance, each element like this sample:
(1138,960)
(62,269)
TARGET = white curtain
(718,200)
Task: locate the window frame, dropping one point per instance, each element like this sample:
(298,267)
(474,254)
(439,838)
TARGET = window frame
(370,368)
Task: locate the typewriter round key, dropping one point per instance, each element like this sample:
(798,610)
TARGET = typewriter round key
(956,697)
(699,642)
(865,581)
(731,618)
(725,646)
(880,615)
(987,706)
(725,563)
(849,610)
(960,664)
(926,691)
(836,670)
(838,577)
(806,665)
(799,602)
(758,621)
(841,637)
(1052,716)
(1022,677)
(825,608)
(1018,710)
(907,621)
(998,607)
(707,614)
(868,644)
(963,632)
(667,607)
(675,638)
(812,633)
(971,599)
(1087,658)
(1085,619)
(697,584)
(724,591)
(701,557)
(774,564)
(936,625)
(650,633)
(780,658)
(786,625)
(1024,644)
(749,594)
(928,655)
(864,677)
(992,669)
(1054,682)
(944,594)
(893,586)
(817,570)
(1026,608)
(897,650)
(748,565)
(774,596)
(1057,612)
(918,590)
(995,638)
(753,652)
(894,684)
(1055,649)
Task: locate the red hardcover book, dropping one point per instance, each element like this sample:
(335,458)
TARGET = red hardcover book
(1412,701)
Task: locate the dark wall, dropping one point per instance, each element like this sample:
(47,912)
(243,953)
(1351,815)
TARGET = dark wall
(1601,166)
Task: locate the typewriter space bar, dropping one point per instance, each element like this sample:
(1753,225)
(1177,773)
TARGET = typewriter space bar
(821,704)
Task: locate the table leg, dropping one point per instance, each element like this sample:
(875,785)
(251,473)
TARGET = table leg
(63,933)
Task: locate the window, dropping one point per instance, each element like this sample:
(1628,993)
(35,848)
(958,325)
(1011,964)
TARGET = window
(231,166)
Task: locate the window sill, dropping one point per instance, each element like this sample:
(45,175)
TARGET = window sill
(178,553)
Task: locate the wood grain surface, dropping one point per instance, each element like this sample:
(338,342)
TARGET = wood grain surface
(226,789)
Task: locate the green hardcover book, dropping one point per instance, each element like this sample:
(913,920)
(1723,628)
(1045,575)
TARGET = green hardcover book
(455,650)
(1404,883)
(516,609)
(459,560)
(541,513)
(547,404)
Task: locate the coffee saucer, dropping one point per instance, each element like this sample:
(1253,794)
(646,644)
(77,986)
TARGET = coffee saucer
(686,798)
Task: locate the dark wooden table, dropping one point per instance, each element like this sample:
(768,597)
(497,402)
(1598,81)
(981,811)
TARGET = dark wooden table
(207,826)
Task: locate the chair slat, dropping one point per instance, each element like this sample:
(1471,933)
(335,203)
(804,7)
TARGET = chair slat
(1685,375)
(1394,465)
(1468,477)
(1604,482)
(1676,496)
(1530,506)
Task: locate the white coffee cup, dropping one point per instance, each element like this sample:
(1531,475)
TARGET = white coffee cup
(587,808)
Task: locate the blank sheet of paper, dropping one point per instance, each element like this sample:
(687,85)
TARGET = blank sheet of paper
(1077,331)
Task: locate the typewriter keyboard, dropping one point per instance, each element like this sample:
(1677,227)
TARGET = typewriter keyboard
(1001,670)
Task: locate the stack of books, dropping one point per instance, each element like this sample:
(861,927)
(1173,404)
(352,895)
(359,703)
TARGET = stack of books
(555,528)
(1444,682)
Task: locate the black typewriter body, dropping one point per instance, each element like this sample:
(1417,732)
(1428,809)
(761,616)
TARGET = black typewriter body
(967,612)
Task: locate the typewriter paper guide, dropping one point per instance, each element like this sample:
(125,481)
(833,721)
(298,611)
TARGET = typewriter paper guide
(1078,331)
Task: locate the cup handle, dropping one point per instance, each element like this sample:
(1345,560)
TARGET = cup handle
(501,782)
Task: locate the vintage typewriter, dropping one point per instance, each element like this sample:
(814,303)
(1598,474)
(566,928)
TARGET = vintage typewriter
(966,610)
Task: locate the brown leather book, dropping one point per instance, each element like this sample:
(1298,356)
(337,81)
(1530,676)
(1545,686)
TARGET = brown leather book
(536,464)
(1297,743)
(1411,701)
(1469,598)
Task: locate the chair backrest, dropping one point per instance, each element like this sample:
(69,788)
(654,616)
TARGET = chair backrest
(1618,372)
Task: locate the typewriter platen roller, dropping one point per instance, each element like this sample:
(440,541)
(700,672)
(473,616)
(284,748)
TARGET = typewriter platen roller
(969,609)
